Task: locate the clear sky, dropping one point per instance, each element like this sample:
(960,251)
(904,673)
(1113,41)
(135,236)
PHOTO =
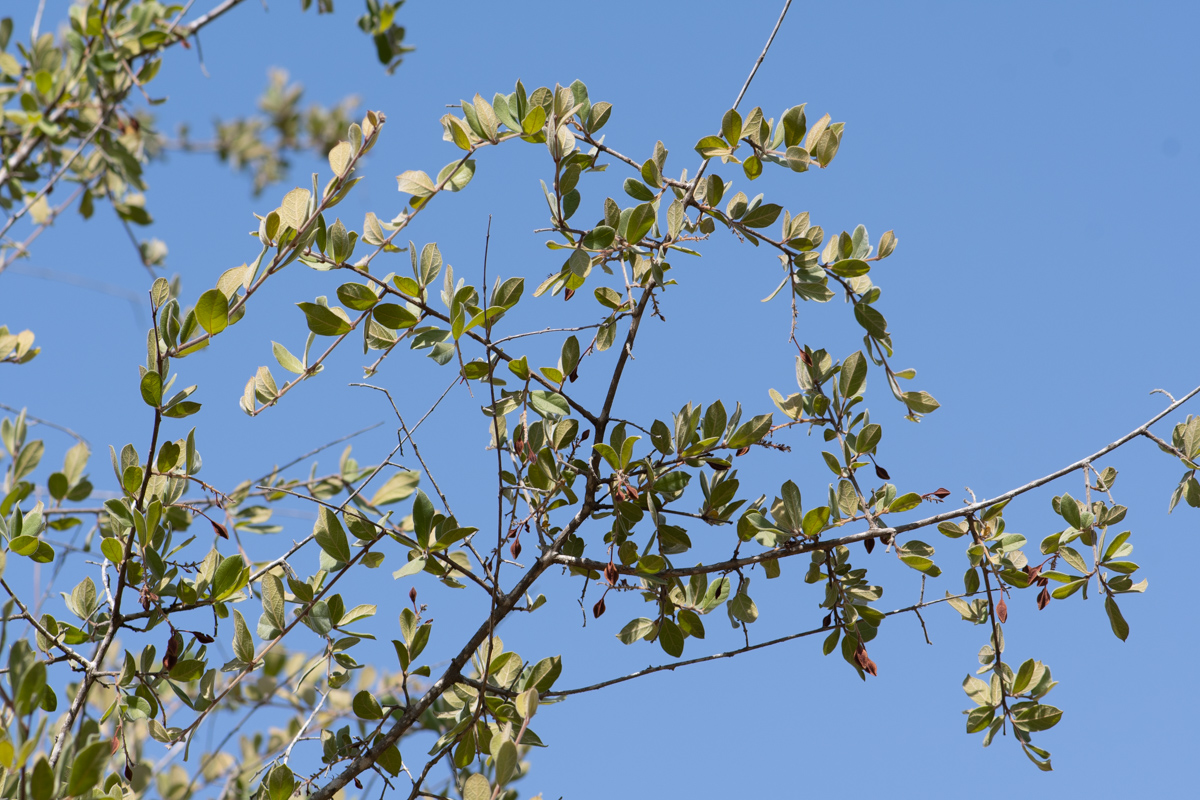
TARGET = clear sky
(1039,164)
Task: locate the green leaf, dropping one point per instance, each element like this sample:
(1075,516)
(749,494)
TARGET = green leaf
(853,375)
(871,320)
(228,577)
(398,487)
(366,706)
(88,767)
(636,629)
(396,317)
(331,537)
(1119,626)
(151,388)
(905,502)
(212,311)
(671,638)
(280,783)
(743,608)
(641,220)
(477,786)
(920,402)
(762,216)
(750,432)
(286,359)
(638,190)
(731,127)
(712,146)
(322,321)
(1037,718)
(357,296)
(506,762)
(851,268)
(415,182)
(243,645)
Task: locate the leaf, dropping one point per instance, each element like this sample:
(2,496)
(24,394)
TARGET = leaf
(272,599)
(670,638)
(151,387)
(243,645)
(1119,626)
(339,158)
(286,359)
(366,706)
(228,577)
(731,126)
(88,767)
(636,629)
(506,762)
(396,317)
(477,786)
(212,311)
(416,183)
(921,402)
(762,216)
(743,608)
(322,321)
(750,432)
(641,220)
(1037,718)
(398,487)
(331,537)
(871,320)
(357,296)
(851,268)
(293,211)
(711,146)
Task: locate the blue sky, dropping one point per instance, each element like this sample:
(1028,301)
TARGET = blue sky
(1038,162)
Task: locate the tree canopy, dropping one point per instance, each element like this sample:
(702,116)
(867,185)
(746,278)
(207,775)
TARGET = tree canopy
(169,634)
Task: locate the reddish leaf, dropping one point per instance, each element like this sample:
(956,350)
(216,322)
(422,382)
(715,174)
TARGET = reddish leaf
(219,529)
(202,638)
(171,656)
(1043,599)
(864,661)
(1002,610)
(610,574)
(805,358)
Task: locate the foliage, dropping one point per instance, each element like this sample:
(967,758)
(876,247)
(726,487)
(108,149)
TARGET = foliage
(92,693)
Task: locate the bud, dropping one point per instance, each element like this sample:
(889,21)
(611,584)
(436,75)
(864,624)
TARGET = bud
(412,595)
(881,473)
(826,620)
(610,574)
(1002,610)
(202,638)
(869,544)
(515,548)
(219,529)
(1043,599)
(598,609)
